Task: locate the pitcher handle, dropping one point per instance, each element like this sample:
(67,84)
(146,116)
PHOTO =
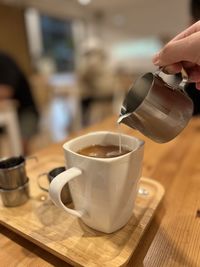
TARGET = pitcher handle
(184,80)
(57,185)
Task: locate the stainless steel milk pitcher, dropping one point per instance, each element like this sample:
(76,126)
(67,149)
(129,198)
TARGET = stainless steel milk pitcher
(157,109)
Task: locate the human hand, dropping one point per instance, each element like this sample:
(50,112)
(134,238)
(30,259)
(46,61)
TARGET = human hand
(183,51)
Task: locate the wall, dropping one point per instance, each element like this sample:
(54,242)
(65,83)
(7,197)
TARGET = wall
(13,36)
(146,18)
(129,20)
(139,18)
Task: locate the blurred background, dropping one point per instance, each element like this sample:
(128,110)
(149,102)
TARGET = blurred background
(66,64)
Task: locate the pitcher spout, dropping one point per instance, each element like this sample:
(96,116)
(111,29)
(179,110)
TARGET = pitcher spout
(123,117)
(126,119)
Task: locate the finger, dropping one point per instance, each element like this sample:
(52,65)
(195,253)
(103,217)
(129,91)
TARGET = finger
(188,65)
(181,50)
(198,86)
(187,32)
(173,69)
(194,74)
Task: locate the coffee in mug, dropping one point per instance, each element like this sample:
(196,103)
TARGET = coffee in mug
(103,151)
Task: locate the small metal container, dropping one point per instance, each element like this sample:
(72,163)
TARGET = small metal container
(65,194)
(12,173)
(15,197)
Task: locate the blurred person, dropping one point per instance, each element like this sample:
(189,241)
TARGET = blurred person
(15,86)
(95,78)
(191,87)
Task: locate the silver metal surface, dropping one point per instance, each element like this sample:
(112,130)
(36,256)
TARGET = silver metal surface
(156,109)
(184,80)
(15,197)
(12,172)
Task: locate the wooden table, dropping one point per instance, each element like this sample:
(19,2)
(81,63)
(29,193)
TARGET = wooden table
(173,238)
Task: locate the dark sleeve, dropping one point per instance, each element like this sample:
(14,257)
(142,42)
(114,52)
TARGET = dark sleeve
(24,96)
(9,72)
(194,94)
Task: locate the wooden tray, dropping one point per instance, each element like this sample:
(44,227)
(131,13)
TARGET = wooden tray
(63,235)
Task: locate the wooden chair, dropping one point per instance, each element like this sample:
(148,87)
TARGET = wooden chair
(9,121)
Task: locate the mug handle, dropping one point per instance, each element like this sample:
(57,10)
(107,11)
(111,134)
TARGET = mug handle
(57,185)
(38,181)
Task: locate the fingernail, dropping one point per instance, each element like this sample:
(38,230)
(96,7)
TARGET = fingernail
(156,59)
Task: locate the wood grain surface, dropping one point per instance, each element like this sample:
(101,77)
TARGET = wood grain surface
(173,238)
(63,235)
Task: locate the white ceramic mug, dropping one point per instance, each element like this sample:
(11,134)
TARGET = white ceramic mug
(103,189)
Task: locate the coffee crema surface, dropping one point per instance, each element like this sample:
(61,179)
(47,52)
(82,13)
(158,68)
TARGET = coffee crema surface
(103,151)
